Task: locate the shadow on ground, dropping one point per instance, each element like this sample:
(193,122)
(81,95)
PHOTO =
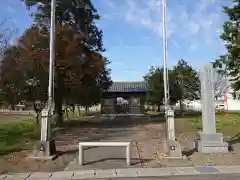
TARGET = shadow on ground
(188,152)
(102,129)
(119,121)
(233,140)
(134,161)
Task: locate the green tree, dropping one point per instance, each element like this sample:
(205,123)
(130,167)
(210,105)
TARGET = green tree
(187,81)
(230,62)
(79,14)
(156,85)
(154,78)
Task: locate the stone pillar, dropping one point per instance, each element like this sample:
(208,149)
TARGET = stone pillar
(207,97)
(45,149)
(45,134)
(172,147)
(170,125)
(208,140)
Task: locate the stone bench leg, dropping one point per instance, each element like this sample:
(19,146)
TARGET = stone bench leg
(128,154)
(81,155)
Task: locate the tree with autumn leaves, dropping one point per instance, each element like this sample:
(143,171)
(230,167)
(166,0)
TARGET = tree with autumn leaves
(80,70)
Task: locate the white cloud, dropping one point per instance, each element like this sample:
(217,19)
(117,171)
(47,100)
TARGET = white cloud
(183,20)
(192,47)
(187,21)
(175,44)
(10,10)
(110,4)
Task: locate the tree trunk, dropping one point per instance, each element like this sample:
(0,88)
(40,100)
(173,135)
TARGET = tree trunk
(12,107)
(73,109)
(86,110)
(66,112)
(58,98)
(58,111)
(38,117)
(181,107)
(79,111)
(158,108)
(38,109)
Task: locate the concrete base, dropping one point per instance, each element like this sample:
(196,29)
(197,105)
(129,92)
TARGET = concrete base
(44,150)
(172,149)
(211,143)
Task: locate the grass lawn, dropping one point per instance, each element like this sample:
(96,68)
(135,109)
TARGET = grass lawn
(153,113)
(77,116)
(228,123)
(7,118)
(17,135)
(20,134)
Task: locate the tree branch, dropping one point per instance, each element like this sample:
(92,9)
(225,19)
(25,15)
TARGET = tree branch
(5,35)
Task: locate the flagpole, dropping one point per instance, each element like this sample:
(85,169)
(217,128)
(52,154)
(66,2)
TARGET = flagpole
(165,72)
(46,149)
(52,57)
(48,135)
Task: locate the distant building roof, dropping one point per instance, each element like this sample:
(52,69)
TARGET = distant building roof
(128,87)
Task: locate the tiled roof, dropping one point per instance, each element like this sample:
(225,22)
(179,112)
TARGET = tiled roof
(128,87)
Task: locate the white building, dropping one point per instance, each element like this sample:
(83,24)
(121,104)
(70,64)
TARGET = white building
(230,101)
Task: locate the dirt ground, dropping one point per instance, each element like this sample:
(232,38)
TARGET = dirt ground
(66,144)
(187,136)
(151,140)
(149,137)
(18,161)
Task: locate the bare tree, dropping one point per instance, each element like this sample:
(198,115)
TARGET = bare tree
(221,85)
(6,33)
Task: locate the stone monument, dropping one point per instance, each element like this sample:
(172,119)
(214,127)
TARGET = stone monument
(209,141)
(45,149)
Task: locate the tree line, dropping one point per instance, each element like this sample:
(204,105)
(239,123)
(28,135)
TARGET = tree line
(229,63)
(184,84)
(80,71)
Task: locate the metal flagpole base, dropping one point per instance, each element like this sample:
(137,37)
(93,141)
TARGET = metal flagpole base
(172,149)
(44,150)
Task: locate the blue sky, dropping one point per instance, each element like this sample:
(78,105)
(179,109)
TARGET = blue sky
(132,32)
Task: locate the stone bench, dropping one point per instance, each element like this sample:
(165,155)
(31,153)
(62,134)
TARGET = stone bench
(104,144)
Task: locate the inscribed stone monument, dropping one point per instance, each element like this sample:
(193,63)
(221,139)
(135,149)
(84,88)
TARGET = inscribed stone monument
(209,141)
